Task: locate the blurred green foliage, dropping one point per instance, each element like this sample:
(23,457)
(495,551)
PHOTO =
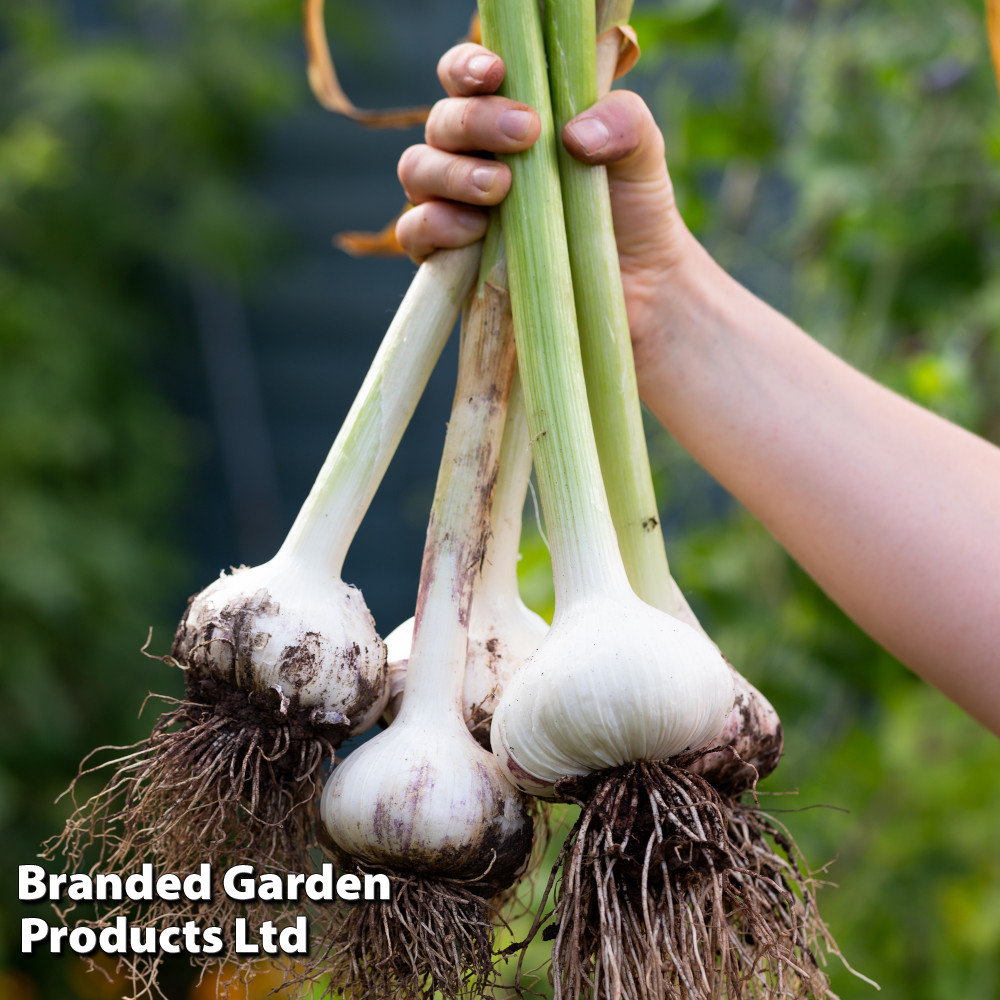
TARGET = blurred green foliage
(843,160)
(126,132)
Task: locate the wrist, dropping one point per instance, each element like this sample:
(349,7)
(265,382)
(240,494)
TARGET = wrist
(671,311)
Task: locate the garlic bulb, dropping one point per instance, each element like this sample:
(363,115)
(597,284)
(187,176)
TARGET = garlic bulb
(425,796)
(614,681)
(292,637)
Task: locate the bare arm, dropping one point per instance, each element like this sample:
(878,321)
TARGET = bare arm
(892,510)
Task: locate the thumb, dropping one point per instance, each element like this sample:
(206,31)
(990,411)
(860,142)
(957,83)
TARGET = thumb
(619,131)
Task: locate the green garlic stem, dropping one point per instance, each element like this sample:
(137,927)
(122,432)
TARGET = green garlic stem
(329,519)
(585,558)
(605,342)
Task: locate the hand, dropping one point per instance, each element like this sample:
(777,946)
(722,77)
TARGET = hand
(451,186)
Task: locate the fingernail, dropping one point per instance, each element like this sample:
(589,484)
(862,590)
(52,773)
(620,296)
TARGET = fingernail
(473,221)
(515,124)
(479,66)
(483,177)
(591,134)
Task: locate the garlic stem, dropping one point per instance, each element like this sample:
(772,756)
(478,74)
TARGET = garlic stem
(585,556)
(456,539)
(498,580)
(605,342)
(330,517)
(503,632)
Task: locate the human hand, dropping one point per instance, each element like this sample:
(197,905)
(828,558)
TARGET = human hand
(451,186)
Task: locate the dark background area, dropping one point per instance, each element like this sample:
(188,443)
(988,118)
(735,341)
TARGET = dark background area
(179,342)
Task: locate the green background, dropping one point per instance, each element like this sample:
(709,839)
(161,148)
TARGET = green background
(165,174)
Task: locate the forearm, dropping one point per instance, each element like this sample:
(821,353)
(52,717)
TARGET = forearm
(892,510)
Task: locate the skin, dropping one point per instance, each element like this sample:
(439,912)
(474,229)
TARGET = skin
(894,511)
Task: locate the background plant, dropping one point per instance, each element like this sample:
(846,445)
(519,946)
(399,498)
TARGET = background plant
(125,138)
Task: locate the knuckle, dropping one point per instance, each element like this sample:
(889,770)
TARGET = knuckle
(406,231)
(451,64)
(435,120)
(407,163)
(465,111)
(444,66)
(629,99)
(456,178)
(449,126)
(638,112)
(631,124)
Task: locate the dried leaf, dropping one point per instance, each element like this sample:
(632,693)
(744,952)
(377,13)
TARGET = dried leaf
(628,49)
(617,52)
(612,14)
(326,87)
(380,244)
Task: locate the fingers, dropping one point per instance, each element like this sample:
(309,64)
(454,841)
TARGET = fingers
(469,69)
(470,119)
(619,130)
(493,124)
(428,173)
(434,224)
(445,182)
(445,185)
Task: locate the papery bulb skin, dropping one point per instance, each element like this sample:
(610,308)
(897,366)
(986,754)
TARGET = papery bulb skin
(397,658)
(293,638)
(753,742)
(614,681)
(428,800)
(503,633)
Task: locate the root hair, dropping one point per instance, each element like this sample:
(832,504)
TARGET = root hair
(670,892)
(220,780)
(432,936)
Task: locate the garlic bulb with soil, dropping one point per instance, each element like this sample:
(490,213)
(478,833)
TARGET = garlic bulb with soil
(291,636)
(617,688)
(503,631)
(281,662)
(423,801)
